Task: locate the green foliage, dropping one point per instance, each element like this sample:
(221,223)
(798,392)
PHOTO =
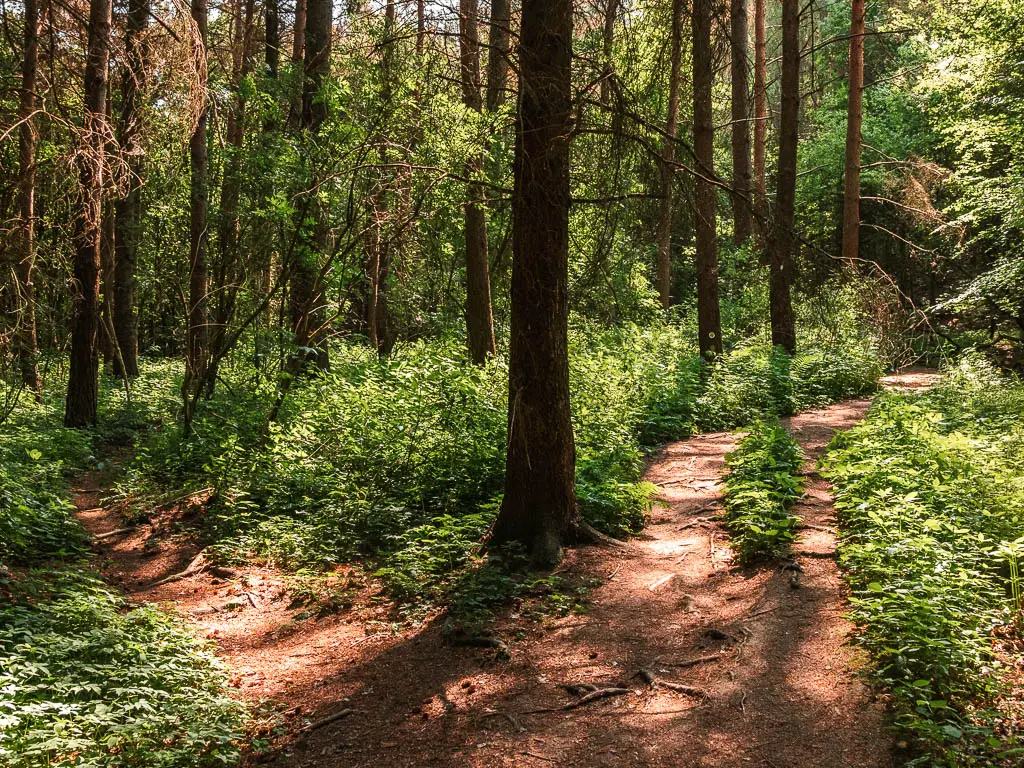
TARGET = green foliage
(751,381)
(86,683)
(929,490)
(35,457)
(760,488)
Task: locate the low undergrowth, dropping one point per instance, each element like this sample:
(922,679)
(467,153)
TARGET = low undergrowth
(760,489)
(85,682)
(930,493)
(401,461)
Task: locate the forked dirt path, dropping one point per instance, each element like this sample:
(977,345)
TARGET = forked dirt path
(763,651)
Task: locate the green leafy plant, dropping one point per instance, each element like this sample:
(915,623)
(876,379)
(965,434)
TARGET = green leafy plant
(928,490)
(760,488)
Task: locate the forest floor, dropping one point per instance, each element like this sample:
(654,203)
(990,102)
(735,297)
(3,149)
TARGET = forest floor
(716,665)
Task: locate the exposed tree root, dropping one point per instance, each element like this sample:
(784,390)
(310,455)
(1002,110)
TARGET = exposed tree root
(656,682)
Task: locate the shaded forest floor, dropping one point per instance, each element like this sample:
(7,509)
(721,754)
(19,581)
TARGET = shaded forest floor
(720,666)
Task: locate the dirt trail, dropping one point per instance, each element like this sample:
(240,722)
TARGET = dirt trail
(778,684)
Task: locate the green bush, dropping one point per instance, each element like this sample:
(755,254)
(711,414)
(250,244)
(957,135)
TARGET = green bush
(86,683)
(760,488)
(930,493)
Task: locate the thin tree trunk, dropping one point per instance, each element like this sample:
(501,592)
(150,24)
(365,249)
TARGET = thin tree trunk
(741,172)
(128,209)
(197,350)
(272,35)
(479,318)
(760,104)
(306,289)
(421,26)
(299,32)
(539,506)
(497,55)
(23,243)
(784,236)
(668,156)
(709,325)
(611,12)
(378,247)
(854,119)
(83,378)
(228,274)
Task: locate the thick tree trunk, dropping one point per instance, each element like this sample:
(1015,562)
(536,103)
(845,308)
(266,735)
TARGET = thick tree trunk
(23,247)
(668,157)
(760,105)
(497,54)
(709,325)
(611,13)
(197,349)
(128,209)
(854,119)
(741,173)
(479,319)
(783,234)
(83,379)
(306,299)
(539,506)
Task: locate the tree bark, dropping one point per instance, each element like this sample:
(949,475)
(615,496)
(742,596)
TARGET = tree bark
(128,209)
(611,12)
(306,297)
(854,120)
(539,506)
(760,105)
(272,35)
(299,32)
(709,325)
(784,235)
(668,156)
(421,26)
(83,379)
(741,171)
(479,318)
(497,54)
(23,251)
(197,349)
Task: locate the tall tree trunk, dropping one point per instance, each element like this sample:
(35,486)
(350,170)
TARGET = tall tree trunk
(197,349)
(854,119)
(421,26)
(228,274)
(497,53)
(272,35)
(479,319)
(741,182)
(377,241)
(760,104)
(128,209)
(668,157)
(784,235)
(709,326)
(611,12)
(299,32)
(23,243)
(539,506)
(306,288)
(83,379)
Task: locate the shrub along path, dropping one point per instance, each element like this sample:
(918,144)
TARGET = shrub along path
(708,664)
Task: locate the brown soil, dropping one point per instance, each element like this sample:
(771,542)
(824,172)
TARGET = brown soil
(778,684)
